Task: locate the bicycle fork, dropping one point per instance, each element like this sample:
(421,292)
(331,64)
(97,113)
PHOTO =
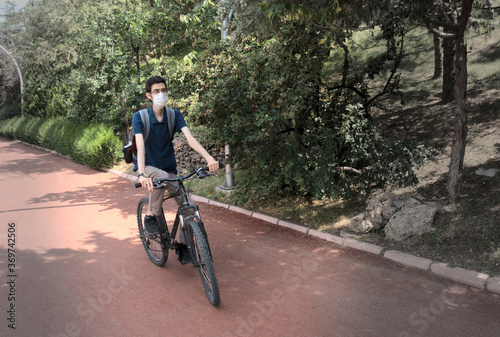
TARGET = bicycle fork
(189,239)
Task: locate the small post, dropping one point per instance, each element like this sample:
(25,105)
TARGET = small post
(229,181)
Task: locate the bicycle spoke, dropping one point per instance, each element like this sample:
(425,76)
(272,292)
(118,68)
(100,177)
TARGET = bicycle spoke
(152,245)
(203,262)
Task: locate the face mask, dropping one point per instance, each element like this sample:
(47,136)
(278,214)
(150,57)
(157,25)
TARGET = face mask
(159,100)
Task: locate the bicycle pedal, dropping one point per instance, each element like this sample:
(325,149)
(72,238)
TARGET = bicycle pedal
(151,236)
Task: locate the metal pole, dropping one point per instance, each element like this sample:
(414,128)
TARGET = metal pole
(20,76)
(229,181)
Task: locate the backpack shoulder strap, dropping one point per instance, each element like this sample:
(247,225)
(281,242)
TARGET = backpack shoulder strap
(145,123)
(171,122)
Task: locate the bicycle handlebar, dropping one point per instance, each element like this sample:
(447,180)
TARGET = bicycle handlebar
(201,174)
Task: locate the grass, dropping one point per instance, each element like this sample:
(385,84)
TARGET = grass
(467,234)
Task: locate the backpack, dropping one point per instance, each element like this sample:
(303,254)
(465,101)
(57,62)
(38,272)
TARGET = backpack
(130,149)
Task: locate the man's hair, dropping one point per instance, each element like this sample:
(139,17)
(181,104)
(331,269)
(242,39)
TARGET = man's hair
(154,80)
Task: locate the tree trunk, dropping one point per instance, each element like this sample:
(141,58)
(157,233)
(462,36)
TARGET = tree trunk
(460,128)
(438,61)
(492,10)
(448,70)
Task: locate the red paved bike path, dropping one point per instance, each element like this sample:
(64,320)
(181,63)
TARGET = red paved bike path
(81,271)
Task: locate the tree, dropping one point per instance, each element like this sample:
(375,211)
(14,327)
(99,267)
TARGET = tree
(10,73)
(457,33)
(302,130)
(46,53)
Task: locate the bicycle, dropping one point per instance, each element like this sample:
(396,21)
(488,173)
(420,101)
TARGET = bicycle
(158,245)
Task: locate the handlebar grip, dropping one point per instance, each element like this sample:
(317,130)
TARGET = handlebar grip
(137,185)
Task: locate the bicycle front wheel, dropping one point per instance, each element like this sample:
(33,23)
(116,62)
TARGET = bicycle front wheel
(152,246)
(203,261)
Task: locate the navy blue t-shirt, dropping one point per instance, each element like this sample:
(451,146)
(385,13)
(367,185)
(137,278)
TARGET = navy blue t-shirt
(159,148)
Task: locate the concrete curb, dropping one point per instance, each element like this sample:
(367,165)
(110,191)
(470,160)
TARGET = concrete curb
(493,284)
(471,278)
(293,226)
(267,218)
(458,275)
(408,260)
(240,210)
(123,175)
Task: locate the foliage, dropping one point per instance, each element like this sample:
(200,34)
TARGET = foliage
(302,129)
(9,82)
(88,60)
(96,145)
(297,136)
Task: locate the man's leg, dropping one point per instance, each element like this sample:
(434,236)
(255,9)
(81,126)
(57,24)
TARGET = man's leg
(156,196)
(173,188)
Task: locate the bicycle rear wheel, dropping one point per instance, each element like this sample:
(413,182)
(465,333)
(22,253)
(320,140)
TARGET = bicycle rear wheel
(203,261)
(153,246)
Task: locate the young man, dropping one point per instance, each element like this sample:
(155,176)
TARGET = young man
(156,156)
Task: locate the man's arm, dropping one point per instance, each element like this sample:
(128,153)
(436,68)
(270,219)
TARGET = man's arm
(141,162)
(213,165)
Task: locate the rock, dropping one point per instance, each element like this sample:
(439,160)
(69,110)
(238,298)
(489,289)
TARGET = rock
(402,202)
(401,216)
(380,209)
(410,221)
(188,159)
(439,208)
(486,172)
(359,224)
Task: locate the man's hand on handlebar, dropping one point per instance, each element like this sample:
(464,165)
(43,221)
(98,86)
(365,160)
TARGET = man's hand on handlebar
(146,182)
(213,166)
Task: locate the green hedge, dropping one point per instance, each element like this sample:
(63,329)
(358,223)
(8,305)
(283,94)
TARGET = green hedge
(94,145)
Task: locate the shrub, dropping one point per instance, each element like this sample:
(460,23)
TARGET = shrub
(18,127)
(45,133)
(299,138)
(8,111)
(30,131)
(98,147)
(7,127)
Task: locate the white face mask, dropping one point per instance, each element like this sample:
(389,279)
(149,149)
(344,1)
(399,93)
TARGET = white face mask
(159,100)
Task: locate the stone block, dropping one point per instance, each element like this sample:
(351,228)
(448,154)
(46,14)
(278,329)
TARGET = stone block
(219,204)
(460,275)
(408,260)
(325,236)
(240,210)
(293,226)
(265,218)
(493,284)
(367,247)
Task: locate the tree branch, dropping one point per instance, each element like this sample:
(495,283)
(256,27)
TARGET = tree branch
(345,71)
(486,8)
(441,34)
(349,169)
(395,67)
(447,26)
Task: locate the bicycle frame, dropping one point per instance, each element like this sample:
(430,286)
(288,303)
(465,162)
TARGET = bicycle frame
(169,237)
(189,219)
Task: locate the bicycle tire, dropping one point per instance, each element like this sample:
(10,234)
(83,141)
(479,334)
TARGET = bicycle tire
(202,258)
(155,251)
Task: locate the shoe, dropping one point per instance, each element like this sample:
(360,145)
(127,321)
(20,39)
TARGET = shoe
(183,253)
(151,225)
